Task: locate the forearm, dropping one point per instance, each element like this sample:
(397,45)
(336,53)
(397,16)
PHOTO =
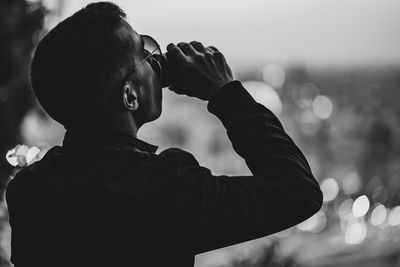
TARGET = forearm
(258,136)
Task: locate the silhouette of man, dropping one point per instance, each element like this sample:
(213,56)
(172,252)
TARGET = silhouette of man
(105,198)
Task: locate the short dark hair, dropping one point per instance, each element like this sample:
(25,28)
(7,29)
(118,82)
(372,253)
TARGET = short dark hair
(79,61)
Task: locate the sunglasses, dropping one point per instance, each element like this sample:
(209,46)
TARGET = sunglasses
(153,54)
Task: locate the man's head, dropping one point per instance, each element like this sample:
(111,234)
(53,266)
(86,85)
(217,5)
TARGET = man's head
(79,71)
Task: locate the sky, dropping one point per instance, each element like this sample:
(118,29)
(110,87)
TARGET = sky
(314,32)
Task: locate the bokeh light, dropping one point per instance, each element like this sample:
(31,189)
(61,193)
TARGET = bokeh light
(330,189)
(284,233)
(351,183)
(361,206)
(37,129)
(22,155)
(304,94)
(373,183)
(322,107)
(314,224)
(355,233)
(394,216)
(378,215)
(345,208)
(380,194)
(264,94)
(274,75)
(32,154)
(12,157)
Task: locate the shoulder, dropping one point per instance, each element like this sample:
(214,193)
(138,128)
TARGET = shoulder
(28,178)
(181,162)
(18,187)
(177,154)
(176,157)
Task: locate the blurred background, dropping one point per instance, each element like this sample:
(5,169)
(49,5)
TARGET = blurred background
(330,70)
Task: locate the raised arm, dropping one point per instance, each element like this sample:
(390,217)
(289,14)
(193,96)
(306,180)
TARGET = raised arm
(281,193)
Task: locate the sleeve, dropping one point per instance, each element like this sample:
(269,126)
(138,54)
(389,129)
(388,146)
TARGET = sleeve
(228,210)
(24,232)
(13,205)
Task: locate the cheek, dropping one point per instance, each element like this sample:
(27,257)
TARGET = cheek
(159,103)
(157,90)
(152,93)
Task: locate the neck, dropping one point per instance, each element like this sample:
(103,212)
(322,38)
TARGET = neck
(123,124)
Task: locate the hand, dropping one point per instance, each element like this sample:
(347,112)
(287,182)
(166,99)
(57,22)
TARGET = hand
(200,71)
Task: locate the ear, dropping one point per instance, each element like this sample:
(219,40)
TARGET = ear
(130,97)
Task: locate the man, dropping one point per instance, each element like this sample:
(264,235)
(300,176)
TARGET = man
(105,198)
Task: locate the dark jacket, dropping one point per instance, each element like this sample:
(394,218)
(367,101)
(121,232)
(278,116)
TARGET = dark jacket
(109,200)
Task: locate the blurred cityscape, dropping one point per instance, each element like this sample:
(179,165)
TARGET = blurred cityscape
(345,119)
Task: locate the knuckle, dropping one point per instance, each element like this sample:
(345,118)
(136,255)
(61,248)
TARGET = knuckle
(208,54)
(196,44)
(183,44)
(198,57)
(218,54)
(188,62)
(185,63)
(174,49)
(191,64)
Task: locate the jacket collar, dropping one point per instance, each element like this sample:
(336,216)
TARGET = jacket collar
(105,139)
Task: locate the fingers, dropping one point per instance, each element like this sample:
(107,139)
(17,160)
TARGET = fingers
(198,46)
(176,52)
(212,48)
(187,49)
(194,53)
(183,51)
(216,53)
